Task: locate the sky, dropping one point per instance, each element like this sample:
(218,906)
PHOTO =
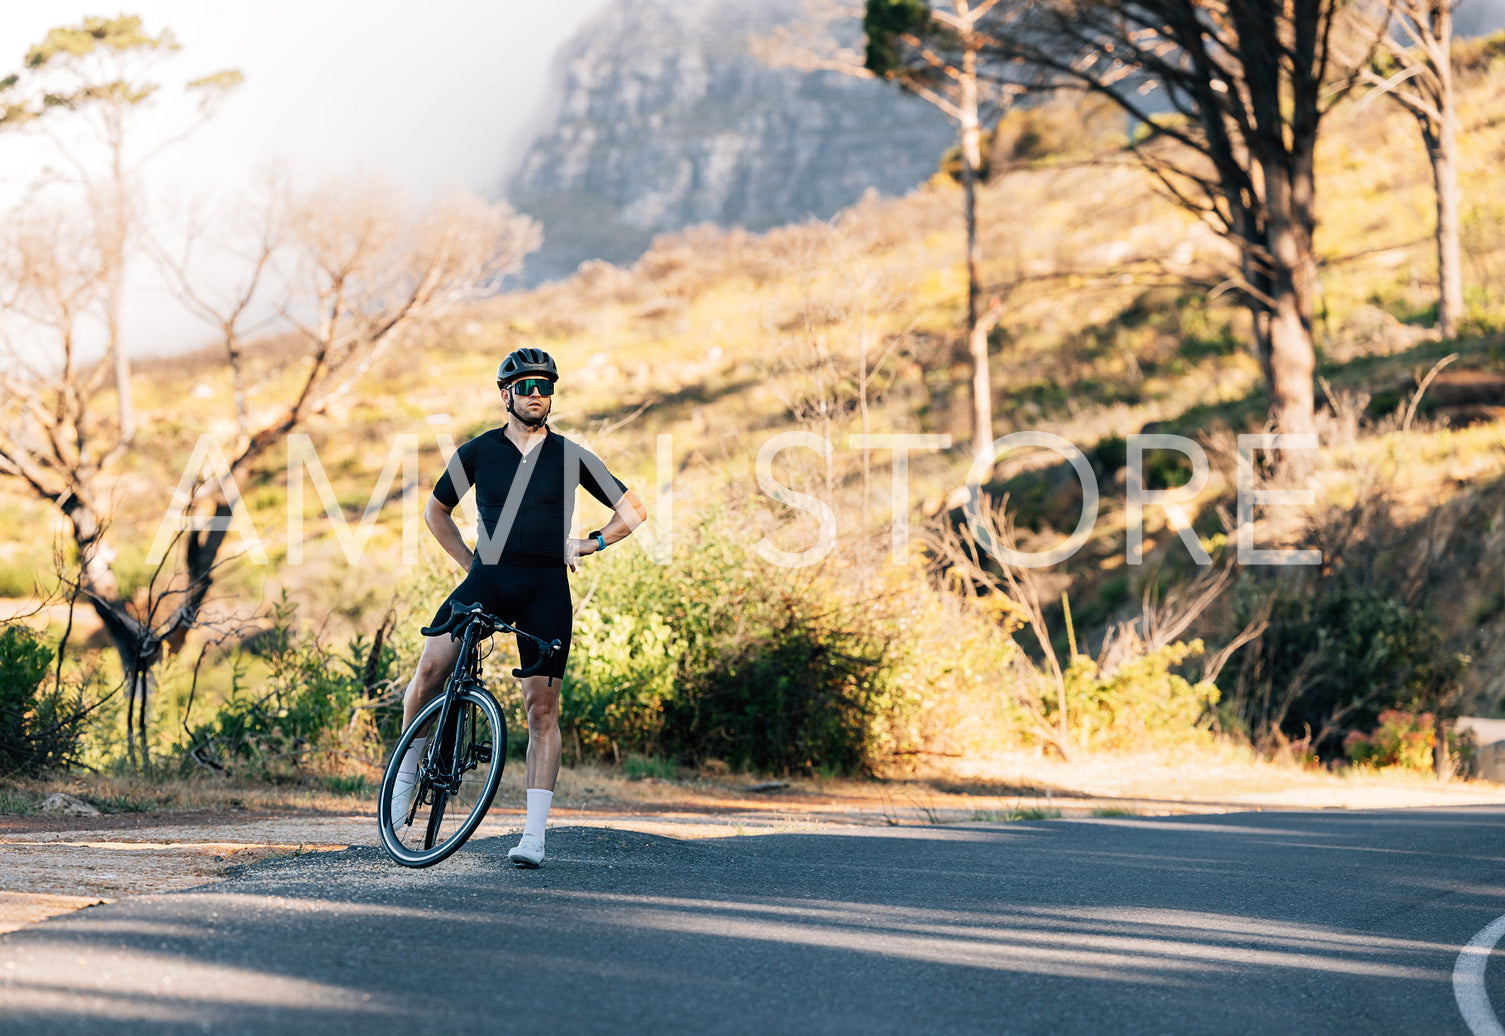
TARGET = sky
(429,96)
(432,95)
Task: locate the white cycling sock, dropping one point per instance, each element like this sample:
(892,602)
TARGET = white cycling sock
(409,767)
(539,801)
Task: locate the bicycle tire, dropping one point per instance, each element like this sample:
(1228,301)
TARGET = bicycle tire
(481,738)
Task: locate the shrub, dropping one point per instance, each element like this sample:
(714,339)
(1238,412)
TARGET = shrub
(40,728)
(1141,703)
(1333,660)
(1402,739)
(622,671)
(316,711)
(708,658)
(791,690)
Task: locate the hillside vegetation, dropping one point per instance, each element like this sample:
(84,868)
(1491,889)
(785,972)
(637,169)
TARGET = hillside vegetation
(680,369)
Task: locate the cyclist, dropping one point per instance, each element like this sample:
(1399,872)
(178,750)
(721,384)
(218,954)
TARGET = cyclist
(524,475)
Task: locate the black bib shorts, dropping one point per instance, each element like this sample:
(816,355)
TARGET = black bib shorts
(535,599)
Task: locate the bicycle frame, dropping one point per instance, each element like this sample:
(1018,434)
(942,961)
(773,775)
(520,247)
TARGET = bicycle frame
(467,670)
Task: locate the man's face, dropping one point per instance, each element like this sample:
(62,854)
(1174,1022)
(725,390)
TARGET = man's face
(526,396)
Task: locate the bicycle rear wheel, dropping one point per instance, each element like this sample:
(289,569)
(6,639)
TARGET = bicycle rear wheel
(458,776)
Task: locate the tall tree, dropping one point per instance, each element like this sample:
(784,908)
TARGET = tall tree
(1229,96)
(934,54)
(1414,66)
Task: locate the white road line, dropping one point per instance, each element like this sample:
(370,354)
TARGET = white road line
(1468,981)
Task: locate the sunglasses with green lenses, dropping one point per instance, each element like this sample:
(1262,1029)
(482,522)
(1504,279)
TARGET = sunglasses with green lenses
(527,386)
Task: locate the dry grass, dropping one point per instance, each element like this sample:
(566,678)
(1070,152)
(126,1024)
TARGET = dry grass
(149,794)
(1211,778)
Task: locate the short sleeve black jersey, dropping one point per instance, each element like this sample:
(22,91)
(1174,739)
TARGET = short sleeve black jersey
(525,504)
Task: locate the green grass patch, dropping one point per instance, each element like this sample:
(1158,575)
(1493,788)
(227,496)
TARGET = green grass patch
(356,786)
(18,803)
(639,767)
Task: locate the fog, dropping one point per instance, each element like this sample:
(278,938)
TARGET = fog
(431,97)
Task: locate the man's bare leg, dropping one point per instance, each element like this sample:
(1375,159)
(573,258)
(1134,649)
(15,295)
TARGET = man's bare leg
(434,666)
(541,699)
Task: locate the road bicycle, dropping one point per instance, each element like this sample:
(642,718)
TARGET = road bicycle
(462,759)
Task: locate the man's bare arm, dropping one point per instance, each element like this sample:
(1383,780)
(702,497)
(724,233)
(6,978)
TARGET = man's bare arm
(630,513)
(441,522)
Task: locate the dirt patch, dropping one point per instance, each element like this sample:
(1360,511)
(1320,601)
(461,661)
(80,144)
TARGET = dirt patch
(12,824)
(19,909)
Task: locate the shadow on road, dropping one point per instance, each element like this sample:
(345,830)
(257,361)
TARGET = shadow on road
(1239,923)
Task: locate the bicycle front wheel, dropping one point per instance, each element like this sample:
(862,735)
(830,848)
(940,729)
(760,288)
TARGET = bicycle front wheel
(457,779)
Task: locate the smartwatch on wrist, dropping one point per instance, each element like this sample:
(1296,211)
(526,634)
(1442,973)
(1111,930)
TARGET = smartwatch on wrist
(600,540)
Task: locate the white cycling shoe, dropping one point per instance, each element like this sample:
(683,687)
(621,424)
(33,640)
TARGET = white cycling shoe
(528,853)
(402,798)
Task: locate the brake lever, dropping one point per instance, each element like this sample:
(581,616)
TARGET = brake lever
(546,654)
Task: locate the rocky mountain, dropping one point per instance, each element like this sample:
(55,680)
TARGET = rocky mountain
(665,119)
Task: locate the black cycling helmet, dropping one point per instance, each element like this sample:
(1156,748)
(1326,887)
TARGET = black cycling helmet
(525,362)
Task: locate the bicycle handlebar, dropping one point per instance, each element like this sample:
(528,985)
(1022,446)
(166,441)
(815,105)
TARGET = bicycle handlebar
(456,617)
(546,652)
(460,617)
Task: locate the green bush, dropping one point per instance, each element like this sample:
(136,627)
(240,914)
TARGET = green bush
(709,658)
(792,691)
(41,728)
(1141,703)
(621,672)
(316,710)
(1334,658)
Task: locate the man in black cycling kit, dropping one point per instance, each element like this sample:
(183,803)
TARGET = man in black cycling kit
(525,477)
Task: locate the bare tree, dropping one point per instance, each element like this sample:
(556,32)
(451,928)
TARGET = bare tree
(359,273)
(65,254)
(1414,67)
(99,70)
(932,53)
(1229,96)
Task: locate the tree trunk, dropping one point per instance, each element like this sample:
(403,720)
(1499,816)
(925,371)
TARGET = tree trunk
(1443,152)
(137,648)
(977,335)
(118,222)
(138,653)
(1291,361)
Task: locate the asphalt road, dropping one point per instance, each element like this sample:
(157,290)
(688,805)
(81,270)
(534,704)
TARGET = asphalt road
(1239,923)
